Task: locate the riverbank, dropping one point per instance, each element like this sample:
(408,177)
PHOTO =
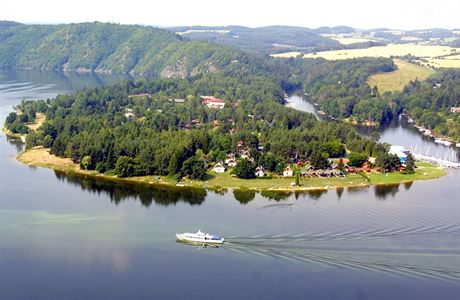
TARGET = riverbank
(40,157)
(39,120)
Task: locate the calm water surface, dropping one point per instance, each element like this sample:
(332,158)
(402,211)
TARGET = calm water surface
(72,237)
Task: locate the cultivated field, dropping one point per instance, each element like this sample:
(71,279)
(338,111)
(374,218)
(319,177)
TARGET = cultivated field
(347,40)
(397,80)
(387,51)
(445,62)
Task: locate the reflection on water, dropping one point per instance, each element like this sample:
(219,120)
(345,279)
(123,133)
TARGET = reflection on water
(299,103)
(146,194)
(244,196)
(167,195)
(32,82)
(385,190)
(16,142)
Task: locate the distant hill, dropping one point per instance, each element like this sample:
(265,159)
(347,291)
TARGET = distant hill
(111,48)
(266,40)
(334,30)
(7,24)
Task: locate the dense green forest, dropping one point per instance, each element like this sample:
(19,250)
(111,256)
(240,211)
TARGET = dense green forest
(430,102)
(112,48)
(341,90)
(265,40)
(104,129)
(339,87)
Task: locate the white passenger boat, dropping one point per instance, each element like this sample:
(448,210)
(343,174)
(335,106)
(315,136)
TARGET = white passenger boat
(200,237)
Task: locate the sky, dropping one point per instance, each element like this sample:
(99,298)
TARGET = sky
(395,14)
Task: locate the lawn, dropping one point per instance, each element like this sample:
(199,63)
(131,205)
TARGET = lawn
(41,157)
(397,80)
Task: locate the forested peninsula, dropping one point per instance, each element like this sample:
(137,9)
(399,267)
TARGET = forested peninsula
(171,131)
(204,112)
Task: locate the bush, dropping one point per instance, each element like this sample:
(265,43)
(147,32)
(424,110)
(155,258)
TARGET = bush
(356,159)
(245,169)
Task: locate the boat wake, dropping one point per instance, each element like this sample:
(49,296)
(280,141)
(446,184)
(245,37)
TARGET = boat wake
(345,250)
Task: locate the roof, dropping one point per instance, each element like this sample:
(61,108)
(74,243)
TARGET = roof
(209,99)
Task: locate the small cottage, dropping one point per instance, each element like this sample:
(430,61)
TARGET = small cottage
(260,172)
(230,162)
(219,168)
(288,172)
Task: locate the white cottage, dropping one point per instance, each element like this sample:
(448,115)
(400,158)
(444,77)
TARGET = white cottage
(219,168)
(230,162)
(288,172)
(260,171)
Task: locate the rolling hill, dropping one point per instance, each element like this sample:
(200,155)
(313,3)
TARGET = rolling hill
(112,48)
(266,40)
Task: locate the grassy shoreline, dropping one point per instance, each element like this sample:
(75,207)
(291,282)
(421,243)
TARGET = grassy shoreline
(40,157)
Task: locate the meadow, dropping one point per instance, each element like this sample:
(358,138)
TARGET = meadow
(397,80)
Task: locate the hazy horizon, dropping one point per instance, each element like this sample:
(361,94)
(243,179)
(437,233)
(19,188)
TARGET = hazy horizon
(359,14)
(230,25)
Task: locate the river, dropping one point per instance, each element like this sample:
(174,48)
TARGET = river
(76,238)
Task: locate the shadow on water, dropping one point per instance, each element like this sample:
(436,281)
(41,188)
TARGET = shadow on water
(147,194)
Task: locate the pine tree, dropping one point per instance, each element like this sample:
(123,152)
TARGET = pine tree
(410,163)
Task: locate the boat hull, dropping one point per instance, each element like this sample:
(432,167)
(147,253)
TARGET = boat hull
(198,240)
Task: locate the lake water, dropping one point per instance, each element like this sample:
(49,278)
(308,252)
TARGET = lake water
(69,237)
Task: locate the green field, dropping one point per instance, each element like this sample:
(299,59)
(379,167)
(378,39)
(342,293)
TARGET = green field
(397,80)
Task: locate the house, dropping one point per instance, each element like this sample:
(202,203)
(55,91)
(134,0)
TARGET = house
(141,95)
(230,157)
(455,109)
(230,162)
(215,123)
(176,100)
(129,114)
(245,154)
(260,171)
(288,172)
(219,168)
(213,102)
(366,167)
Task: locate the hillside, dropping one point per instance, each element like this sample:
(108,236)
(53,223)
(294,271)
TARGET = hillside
(266,40)
(111,48)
